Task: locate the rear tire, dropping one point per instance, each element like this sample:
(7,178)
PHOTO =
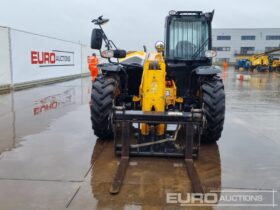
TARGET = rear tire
(214,107)
(104,91)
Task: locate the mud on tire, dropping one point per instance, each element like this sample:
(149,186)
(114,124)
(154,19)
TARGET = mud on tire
(104,90)
(214,107)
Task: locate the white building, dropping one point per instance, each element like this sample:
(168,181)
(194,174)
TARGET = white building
(230,43)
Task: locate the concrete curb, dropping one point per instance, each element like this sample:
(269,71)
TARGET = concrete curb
(4,88)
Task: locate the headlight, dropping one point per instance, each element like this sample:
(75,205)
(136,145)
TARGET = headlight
(107,54)
(210,53)
(113,53)
(159,46)
(172,12)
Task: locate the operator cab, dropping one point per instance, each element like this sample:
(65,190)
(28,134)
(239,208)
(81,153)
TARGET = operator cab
(188,46)
(188,37)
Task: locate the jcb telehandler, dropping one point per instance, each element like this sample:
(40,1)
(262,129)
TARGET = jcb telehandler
(163,103)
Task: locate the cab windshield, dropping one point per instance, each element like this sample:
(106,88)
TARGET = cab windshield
(188,39)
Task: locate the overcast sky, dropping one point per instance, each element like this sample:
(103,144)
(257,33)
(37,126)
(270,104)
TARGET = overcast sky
(132,23)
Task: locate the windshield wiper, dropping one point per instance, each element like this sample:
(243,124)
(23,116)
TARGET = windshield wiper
(201,47)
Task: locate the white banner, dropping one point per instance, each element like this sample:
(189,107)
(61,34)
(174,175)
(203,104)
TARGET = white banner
(37,57)
(5,69)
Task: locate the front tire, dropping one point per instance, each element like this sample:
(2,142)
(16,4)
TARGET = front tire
(104,91)
(214,106)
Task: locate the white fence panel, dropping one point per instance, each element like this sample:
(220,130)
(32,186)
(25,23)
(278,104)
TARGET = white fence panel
(6,121)
(5,68)
(86,51)
(37,57)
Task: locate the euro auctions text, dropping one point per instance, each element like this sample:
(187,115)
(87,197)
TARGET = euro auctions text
(52,58)
(224,198)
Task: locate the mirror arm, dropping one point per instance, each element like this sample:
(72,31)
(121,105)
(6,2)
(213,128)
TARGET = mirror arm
(106,40)
(107,43)
(111,42)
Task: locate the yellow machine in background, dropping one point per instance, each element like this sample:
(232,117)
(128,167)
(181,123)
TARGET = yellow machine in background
(261,62)
(275,65)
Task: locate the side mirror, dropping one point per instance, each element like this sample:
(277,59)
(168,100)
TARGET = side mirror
(96,39)
(119,53)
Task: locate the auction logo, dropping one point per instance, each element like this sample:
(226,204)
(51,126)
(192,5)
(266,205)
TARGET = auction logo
(53,102)
(230,197)
(53,58)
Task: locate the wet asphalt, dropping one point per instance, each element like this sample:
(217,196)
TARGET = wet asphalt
(50,159)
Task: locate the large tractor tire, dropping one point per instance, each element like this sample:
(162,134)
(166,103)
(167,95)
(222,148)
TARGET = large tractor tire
(104,91)
(213,97)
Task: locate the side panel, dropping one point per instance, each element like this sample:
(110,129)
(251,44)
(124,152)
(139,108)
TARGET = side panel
(38,57)
(5,66)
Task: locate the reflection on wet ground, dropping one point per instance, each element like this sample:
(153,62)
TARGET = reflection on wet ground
(50,159)
(149,179)
(25,112)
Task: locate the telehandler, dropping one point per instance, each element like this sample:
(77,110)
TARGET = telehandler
(263,61)
(163,103)
(275,64)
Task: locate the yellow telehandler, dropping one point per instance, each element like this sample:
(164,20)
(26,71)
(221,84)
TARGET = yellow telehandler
(263,61)
(162,103)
